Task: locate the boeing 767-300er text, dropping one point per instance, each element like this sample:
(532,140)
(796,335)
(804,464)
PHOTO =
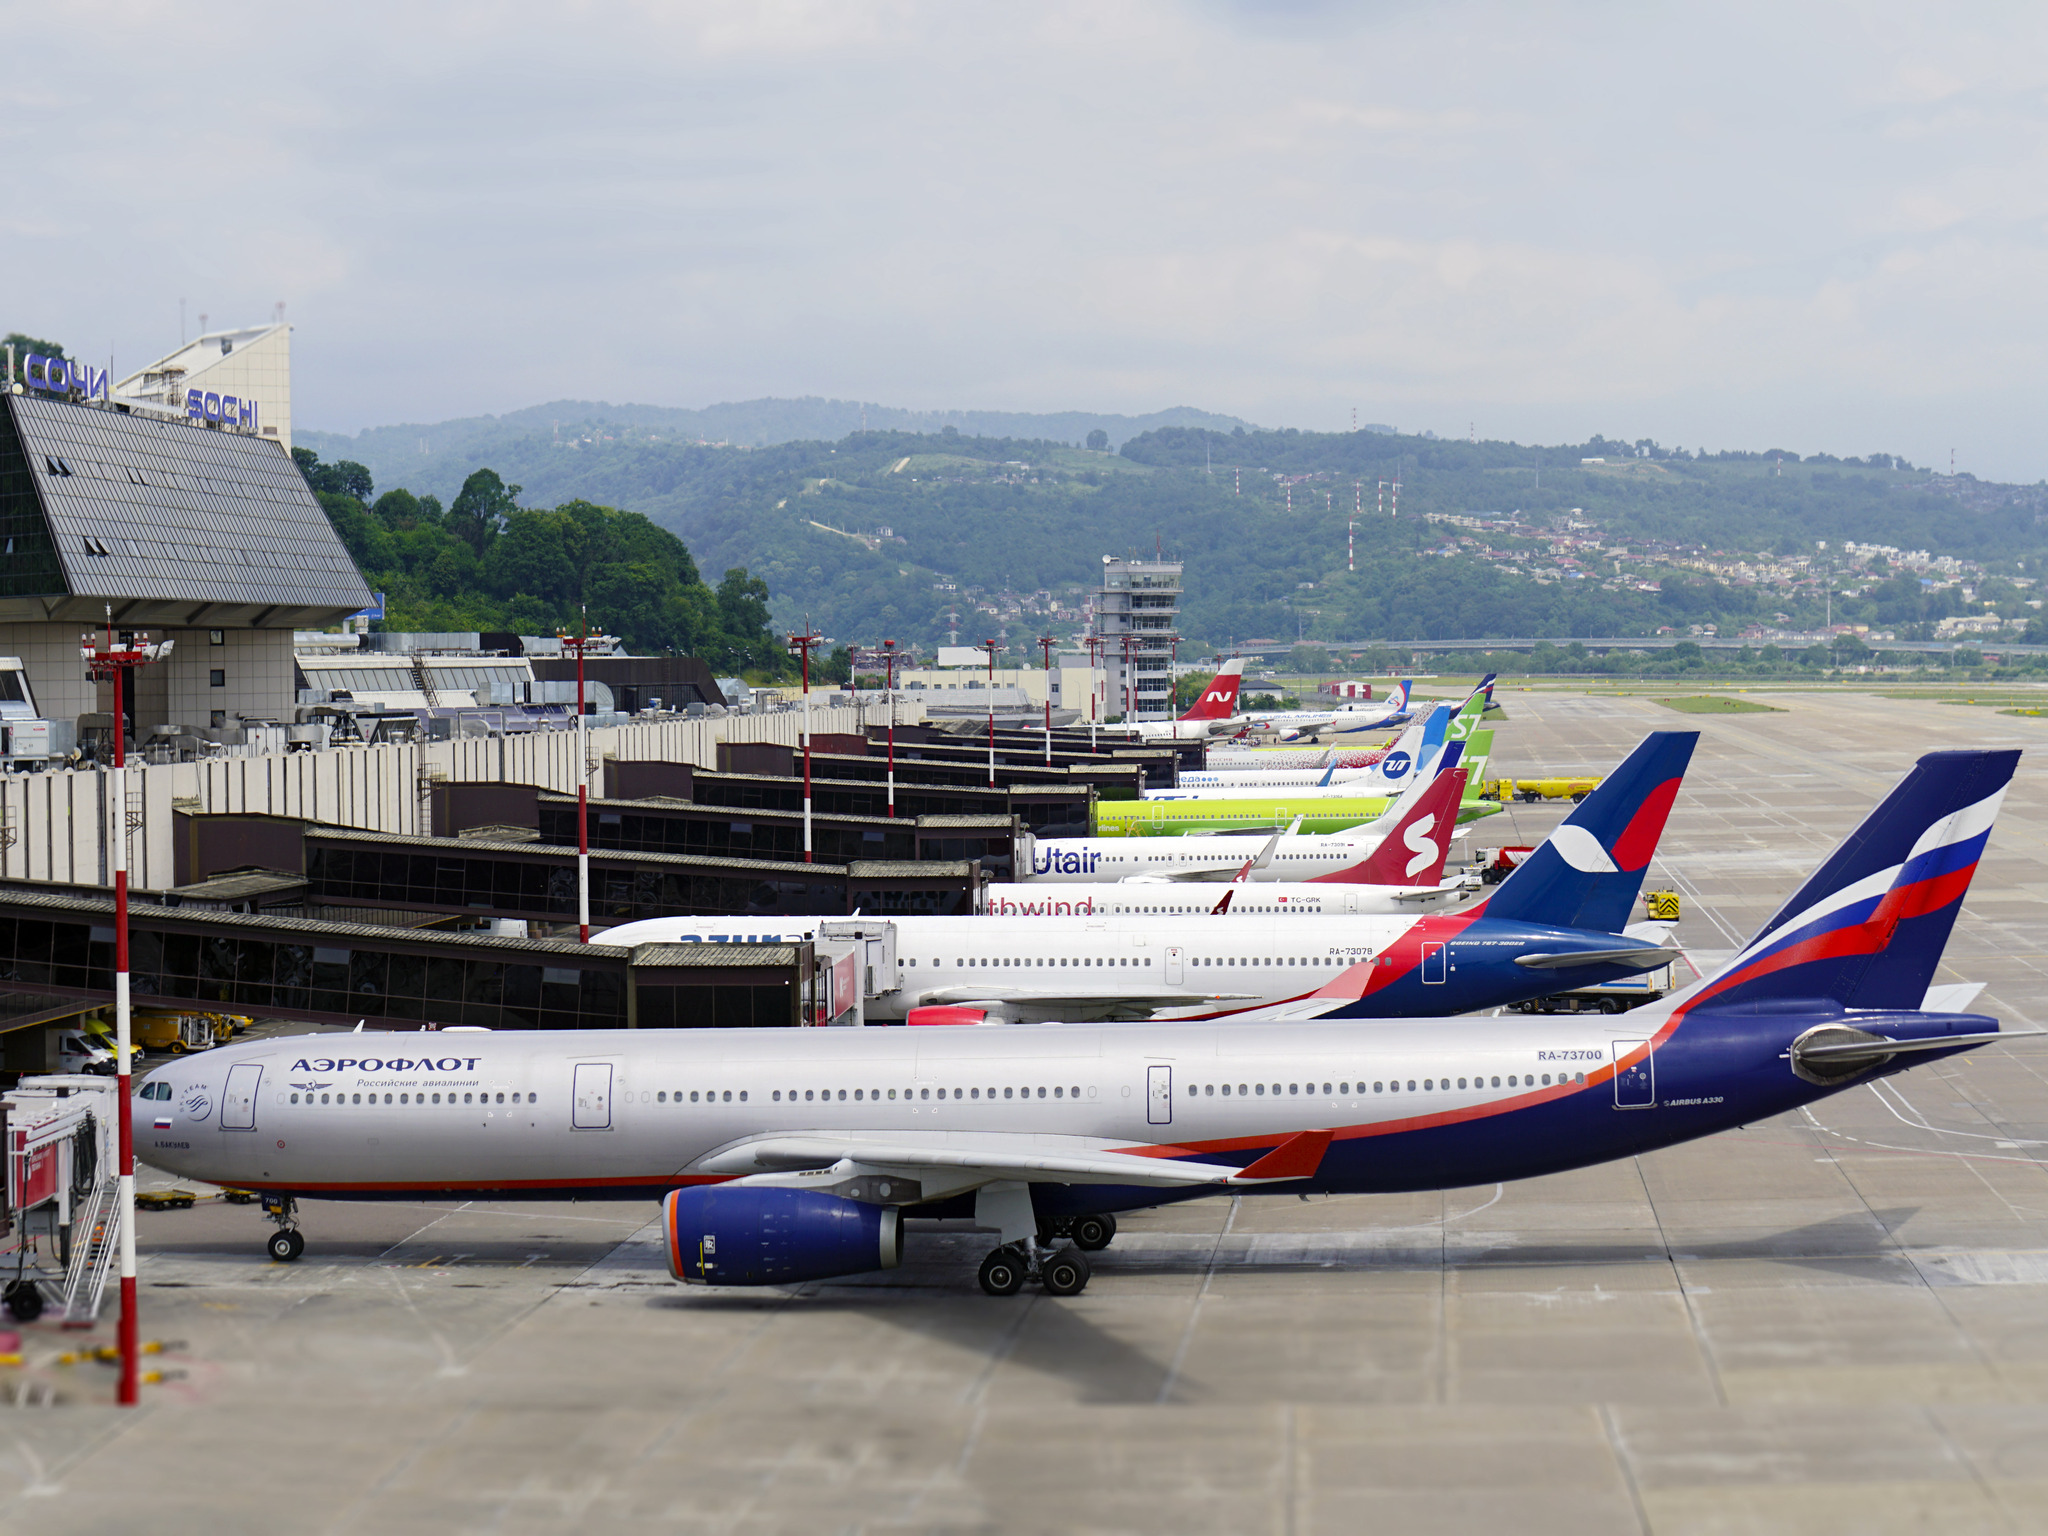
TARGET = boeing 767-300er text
(785,1155)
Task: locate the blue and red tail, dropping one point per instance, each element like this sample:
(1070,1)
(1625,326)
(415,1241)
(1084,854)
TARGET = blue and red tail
(1588,873)
(1867,930)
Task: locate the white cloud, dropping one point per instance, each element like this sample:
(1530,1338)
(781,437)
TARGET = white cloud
(1822,226)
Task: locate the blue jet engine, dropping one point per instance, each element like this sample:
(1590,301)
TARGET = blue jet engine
(719,1235)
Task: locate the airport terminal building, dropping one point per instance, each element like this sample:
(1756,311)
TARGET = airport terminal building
(201,531)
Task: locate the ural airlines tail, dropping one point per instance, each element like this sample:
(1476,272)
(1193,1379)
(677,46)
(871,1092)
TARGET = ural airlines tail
(1214,713)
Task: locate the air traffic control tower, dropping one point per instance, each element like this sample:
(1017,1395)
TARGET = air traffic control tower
(200,529)
(1137,622)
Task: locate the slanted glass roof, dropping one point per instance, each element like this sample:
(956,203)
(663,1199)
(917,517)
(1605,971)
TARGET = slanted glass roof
(174,524)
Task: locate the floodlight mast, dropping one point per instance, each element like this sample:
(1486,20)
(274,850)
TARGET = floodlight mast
(991,646)
(579,643)
(1046,641)
(112,661)
(803,644)
(889,660)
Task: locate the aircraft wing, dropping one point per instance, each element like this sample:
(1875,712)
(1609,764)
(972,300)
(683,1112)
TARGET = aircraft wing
(949,1161)
(1221,875)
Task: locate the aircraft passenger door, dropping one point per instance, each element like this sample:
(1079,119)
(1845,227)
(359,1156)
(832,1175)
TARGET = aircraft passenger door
(1635,1085)
(1434,962)
(1175,957)
(1159,1095)
(1348,900)
(238,1099)
(593,1111)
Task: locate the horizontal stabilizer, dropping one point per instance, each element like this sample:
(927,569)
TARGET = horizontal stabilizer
(1887,1047)
(1298,1157)
(1646,958)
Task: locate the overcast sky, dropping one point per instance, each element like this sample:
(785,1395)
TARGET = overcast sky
(1819,227)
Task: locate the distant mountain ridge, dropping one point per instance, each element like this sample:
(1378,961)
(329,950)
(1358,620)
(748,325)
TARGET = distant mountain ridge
(434,458)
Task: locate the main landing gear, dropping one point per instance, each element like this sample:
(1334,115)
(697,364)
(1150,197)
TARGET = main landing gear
(1062,1271)
(287,1242)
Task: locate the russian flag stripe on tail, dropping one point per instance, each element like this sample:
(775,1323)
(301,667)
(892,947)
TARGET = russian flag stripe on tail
(1588,873)
(1868,929)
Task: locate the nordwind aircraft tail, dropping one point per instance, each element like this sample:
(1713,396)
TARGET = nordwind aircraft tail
(1588,873)
(1867,930)
(1219,699)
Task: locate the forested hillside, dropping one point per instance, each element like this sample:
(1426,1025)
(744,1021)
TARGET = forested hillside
(912,535)
(487,563)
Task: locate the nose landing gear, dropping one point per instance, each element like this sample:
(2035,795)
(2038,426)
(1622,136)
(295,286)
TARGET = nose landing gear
(286,1243)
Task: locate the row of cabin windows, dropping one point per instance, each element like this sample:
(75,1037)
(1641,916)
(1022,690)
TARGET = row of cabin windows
(871,1095)
(415,1098)
(1393,1085)
(999,960)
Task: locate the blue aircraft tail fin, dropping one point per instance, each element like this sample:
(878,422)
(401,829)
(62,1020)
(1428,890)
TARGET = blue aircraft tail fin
(1434,730)
(1868,928)
(1588,873)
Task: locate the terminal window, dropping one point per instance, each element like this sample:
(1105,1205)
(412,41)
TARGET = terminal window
(217,677)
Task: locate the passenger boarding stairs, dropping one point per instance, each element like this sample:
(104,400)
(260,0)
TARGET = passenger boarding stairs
(423,683)
(96,1239)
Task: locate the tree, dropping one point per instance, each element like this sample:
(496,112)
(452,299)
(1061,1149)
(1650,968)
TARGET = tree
(1099,440)
(344,477)
(23,345)
(482,507)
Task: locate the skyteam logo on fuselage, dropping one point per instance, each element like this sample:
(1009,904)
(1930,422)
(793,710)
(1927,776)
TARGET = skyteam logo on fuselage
(1057,861)
(1395,765)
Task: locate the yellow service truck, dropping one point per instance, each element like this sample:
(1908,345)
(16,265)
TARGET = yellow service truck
(158,1029)
(1568,787)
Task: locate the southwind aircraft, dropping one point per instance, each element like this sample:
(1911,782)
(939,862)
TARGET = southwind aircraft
(786,1155)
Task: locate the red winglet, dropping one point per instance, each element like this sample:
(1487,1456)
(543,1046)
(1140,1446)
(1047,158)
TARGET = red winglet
(1298,1157)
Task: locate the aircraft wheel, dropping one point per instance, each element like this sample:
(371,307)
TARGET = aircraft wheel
(23,1300)
(1093,1233)
(1065,1273)
(1002,1272)
(287,1245)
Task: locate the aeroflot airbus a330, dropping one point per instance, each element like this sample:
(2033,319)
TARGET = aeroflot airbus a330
(784,1155)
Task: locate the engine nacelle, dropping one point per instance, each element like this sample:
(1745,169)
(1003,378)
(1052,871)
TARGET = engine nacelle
(721,1235)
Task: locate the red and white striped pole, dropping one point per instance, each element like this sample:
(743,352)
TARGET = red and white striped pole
(802,644)
(114,662)
(1046,642)
(889,657)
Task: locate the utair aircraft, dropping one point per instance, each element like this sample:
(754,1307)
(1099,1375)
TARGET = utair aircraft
(1213,714)
(1287,855)
(786,1155)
